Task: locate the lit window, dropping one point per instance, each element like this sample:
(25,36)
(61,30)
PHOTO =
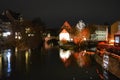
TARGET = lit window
(5,34)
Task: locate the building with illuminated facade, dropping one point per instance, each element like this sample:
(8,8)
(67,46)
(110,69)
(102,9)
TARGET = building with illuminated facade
(65,32)
(101,33)
(7,19)
(114,29)
(117,35)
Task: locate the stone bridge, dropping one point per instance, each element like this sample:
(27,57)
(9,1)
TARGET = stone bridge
(50,38)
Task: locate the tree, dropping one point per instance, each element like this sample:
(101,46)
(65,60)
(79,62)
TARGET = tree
(81,35)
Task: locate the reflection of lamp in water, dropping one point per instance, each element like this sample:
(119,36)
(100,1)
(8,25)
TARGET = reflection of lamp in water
(7,56)
(27,55)
(26,60)
(8,65)
(83,60)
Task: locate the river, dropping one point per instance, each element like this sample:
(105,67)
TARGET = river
(50,64)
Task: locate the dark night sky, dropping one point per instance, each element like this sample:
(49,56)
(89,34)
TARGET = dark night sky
(55,12)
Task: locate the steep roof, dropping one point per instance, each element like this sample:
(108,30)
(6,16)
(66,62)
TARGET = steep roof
(8,15)
(66,25)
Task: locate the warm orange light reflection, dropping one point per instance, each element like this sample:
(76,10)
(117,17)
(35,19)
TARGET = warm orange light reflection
(82,58)
(27,58)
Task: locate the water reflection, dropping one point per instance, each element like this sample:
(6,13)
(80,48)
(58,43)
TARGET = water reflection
(105,74)
(64,54)
(105,66)
(0,65)
(50,64)
(27,59)
(7,61)
(10,61)
(105,61)
(82,58)
(22,60)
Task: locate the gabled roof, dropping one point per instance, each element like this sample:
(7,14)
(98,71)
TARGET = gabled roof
(8,15)
(66,25)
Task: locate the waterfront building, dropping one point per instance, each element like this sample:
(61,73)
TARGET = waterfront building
(100,33)
(65,32)
(113,30)
(117,36)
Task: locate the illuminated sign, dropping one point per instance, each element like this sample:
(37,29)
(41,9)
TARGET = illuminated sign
(117,39)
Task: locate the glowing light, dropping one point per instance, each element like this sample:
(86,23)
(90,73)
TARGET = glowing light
(105,61)
(64,35)
(8,58)
(65,54)
(29,35)
(84,38)
(26,56)
(7,61)
(27,30)
(116,39)
(5,34)
(18,35)
(111,42)
(16,49)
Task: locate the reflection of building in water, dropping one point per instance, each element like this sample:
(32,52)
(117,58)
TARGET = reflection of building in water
(22,60)
(7,61)
(64,55)
(82,59)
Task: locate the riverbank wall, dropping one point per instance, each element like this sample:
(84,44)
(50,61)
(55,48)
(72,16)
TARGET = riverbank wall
(110,62)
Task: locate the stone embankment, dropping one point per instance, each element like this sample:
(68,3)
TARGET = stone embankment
(109,61)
